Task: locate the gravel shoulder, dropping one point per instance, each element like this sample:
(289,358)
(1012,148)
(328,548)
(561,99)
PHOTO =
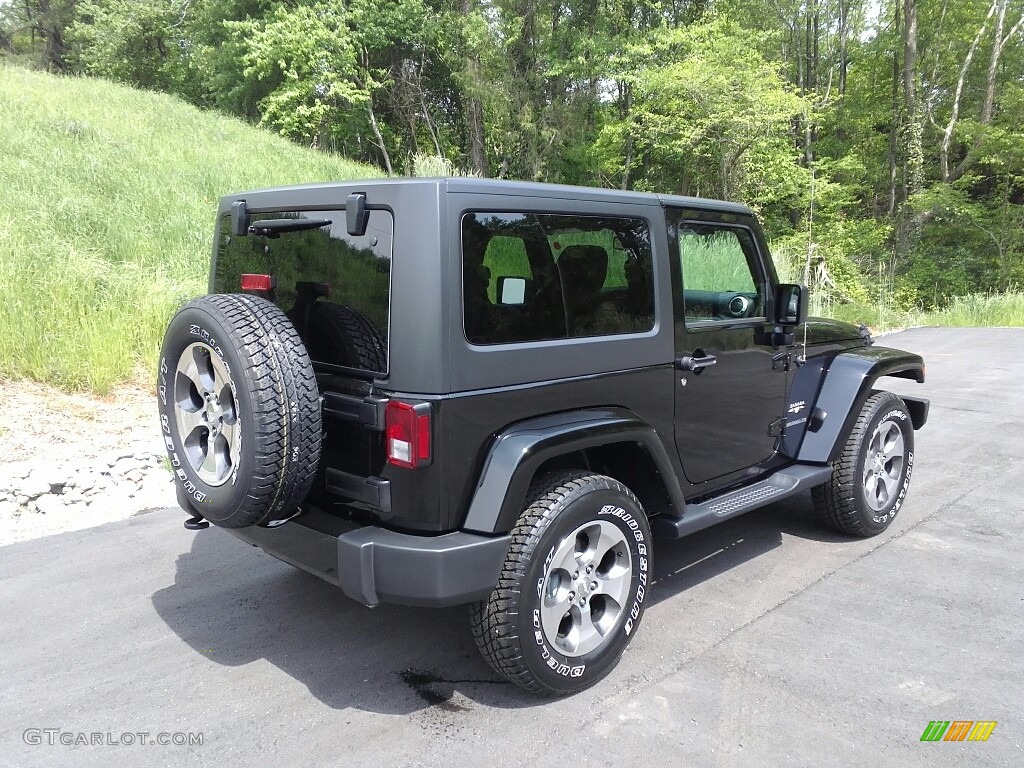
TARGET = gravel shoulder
(72,461)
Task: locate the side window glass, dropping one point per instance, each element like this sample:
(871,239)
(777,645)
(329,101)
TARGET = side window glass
(534,277)
(504,257)
(720,279)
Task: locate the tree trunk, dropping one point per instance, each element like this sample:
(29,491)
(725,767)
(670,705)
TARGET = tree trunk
(626,116)
(947,134)
(51,27)
(913,129)
(844,34)
(989,101)
(913,172)
(379,138)
(988,105)
(474,108)
(894,130)
(475,128)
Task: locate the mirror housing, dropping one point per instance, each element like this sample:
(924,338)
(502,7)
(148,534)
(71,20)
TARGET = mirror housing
(790,305)
(239,218)
(356,215)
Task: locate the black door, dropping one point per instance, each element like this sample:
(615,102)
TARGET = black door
(730,384)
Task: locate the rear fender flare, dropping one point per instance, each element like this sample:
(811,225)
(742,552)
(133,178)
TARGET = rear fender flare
(517,453)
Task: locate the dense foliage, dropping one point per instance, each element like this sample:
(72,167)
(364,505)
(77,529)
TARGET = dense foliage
(882,141)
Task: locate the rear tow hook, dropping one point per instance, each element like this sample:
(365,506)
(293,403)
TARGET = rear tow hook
(196,523)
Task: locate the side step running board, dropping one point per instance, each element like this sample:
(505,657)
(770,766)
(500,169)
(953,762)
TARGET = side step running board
(778,486)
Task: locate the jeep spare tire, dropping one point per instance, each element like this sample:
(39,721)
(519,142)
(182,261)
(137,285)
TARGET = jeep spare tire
(342,336)
(239,410)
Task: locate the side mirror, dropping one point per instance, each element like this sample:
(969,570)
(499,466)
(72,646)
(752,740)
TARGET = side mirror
(790,305)
(511,291)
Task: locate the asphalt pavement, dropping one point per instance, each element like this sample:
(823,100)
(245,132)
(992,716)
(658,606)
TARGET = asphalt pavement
(769,641)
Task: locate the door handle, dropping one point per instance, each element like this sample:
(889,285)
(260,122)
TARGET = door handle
(695,363)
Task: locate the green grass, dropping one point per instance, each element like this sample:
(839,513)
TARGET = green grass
(996,309)
(974,311)
(110,198)
(714,263)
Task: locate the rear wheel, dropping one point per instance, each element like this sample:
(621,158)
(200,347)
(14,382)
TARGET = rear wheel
(870,478)
(572,591)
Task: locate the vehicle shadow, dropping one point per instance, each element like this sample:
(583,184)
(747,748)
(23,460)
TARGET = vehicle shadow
(235,605)
(685,563)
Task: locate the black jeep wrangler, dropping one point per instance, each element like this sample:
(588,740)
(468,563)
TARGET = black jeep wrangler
(446,391)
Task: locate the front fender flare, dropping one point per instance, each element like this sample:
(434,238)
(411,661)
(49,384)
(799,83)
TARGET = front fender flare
(517,453)
(844,386)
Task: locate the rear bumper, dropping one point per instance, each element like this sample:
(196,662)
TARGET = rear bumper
(374,565)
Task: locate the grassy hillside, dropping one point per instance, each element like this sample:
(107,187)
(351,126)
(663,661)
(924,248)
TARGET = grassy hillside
(109,201)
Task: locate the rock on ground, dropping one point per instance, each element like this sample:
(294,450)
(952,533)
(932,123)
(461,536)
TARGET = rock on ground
(80,461)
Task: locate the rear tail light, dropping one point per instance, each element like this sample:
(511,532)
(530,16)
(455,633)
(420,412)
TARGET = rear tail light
(407,434)
(257,283)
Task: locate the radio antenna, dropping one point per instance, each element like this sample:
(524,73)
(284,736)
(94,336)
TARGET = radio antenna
(807,264)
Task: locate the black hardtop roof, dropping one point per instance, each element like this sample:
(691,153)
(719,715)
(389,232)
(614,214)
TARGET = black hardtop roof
(470,185)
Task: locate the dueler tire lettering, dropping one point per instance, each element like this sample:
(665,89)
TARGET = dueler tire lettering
(276,405)
(508,626)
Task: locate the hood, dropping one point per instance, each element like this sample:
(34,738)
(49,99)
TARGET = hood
(821,330)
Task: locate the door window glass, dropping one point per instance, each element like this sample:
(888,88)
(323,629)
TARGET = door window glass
(720,279)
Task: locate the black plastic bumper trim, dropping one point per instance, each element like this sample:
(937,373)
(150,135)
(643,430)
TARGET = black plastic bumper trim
(374,565)
(368,411)
(373,491)
(918,407)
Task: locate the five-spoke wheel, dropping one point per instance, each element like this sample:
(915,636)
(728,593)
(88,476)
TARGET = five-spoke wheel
(883,465)
(572,591)
(870,477)
(586,587)
(206,413)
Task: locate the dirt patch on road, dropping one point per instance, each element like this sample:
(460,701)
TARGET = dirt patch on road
(43,422)
(73,461)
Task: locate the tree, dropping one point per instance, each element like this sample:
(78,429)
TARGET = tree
(141,43)
(710,116)
(45,22)
(331,63)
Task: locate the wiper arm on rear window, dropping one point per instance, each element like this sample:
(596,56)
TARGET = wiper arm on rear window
(274,227)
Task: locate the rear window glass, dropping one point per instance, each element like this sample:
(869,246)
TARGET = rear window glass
(534,277)
(335,288)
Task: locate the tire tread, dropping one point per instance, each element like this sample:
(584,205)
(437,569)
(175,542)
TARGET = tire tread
(834,500)
(493,621)
(285,404)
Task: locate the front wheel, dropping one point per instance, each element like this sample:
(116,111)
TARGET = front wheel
(572,591)
(870,478)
